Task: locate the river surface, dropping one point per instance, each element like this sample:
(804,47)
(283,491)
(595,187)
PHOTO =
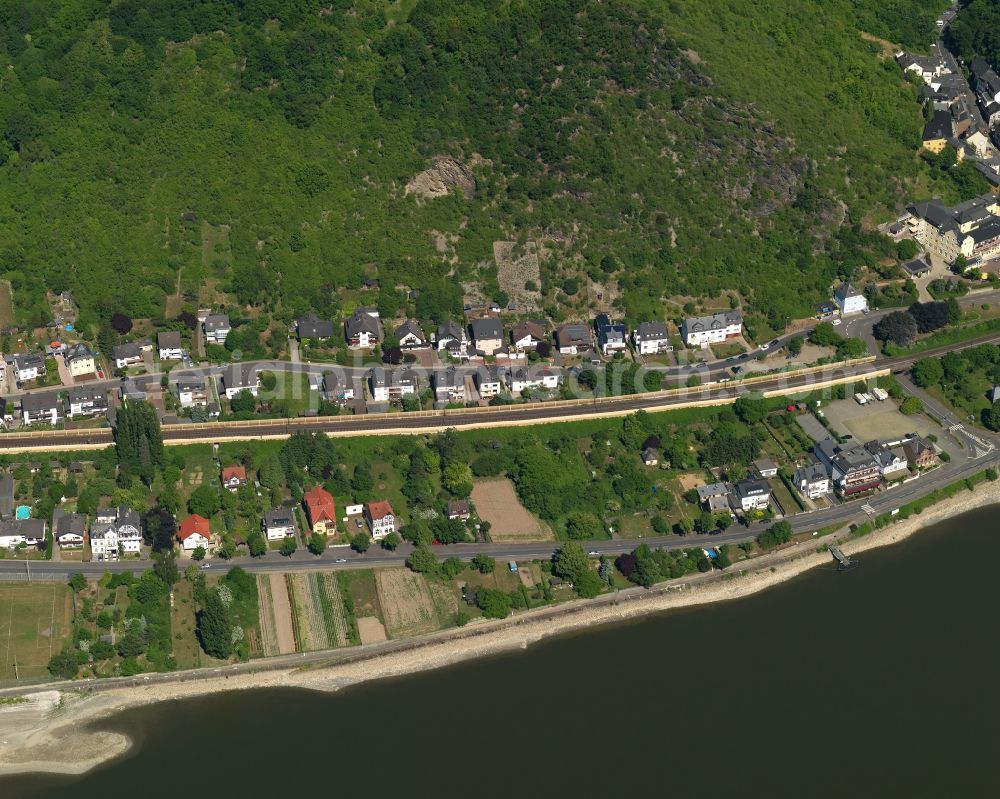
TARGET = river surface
(882,681)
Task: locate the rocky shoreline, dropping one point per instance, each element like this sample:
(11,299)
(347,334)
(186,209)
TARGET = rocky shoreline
(52,732)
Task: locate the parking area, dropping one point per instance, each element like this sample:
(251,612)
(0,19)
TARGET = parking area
(876,420)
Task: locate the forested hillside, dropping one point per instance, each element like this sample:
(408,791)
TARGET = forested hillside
(269,149)
(976,31)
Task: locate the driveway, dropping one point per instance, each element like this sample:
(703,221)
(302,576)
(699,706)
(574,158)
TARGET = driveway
(64,376)
(812,426)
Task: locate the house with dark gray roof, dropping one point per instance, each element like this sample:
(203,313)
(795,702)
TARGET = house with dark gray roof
(216,328)
(42,407)
(311,326)
(650,338)
(410,335)
(363,329)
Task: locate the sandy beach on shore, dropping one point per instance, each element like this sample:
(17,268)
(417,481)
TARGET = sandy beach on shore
(50,731)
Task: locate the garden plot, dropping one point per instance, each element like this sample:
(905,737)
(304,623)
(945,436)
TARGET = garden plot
(497,503)
(310,625)
(284,630)
(406,602)
(268,628)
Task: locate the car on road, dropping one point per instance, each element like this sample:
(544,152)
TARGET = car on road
(593,553)
(775,342)
(744,356)
(730,360)
(341,560)
(206,565)
(764,346)
(836,322)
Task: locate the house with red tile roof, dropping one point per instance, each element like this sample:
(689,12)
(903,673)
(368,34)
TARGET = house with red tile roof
(234,477)
(320,510)
(194,532)
(380,518)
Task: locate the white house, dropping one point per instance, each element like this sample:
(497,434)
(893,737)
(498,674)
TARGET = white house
(380,518)
(114,529)
(573,339)
(449,385)
(169,345)
(410,335)
(87,401)
(216,327)
(363,329)
(44,408)
(751,494)
(849,299)
(892,461)
(701,331)
(279,524)
(523,377)
(194,532)
(386,385)
(192,392)
(449,332)
(125,355)
(70,528)
(611,336)
(527,336)
(489,381)
(650,338)
(22,531)
(28,366)
(240,377)
(812,481)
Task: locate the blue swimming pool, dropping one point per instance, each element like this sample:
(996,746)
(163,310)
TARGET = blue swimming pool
(23,512)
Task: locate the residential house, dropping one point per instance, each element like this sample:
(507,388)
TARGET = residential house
(853,469)
(125,355)
(192,392)
(765,468)
(216,328)
(70,530)
(714,497)
(42,408)
(533,377)
(487,335)
(750,495)
(812,480)
(449,385)
(573,339)
(650,456)
(6,496)
(410,336)
(87,401)
(193,532)
(279,524)
(920,453)
(28,366)
(970,229)
(450,335)
(79,359)
(338,387)
(891,460)
(650,338)
(234,478)
(380,518)
(239,377)
(849,300)
(169,345)
(310,326)
(115,530)
(30,532)
(391,385)
(938,131)
(459,509)
(611,336)
(489,380)
(363,329)
(702,331)
(320,510)
(526,336)
(925,67)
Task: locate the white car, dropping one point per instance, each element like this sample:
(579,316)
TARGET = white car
(764,346)
(836,322)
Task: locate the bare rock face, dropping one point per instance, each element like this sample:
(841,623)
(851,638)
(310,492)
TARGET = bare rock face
(438,180)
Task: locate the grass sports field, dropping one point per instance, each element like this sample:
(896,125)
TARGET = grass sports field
(34,625)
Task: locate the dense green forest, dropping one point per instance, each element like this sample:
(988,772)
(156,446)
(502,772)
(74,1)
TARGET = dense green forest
(263,149)
(976,31)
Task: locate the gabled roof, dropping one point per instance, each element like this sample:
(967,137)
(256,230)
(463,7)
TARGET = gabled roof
(169,340)
(319,504)
(650,331)
(524,329)
(487,328)
(362,323)
(279,517)
(194,524)
(409,328)
(379,509)
(716,321)
(237,472)
(939,127)
(216,322)
(44,401)
(77,352)
(311,326)
(126,351)
(449,329)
